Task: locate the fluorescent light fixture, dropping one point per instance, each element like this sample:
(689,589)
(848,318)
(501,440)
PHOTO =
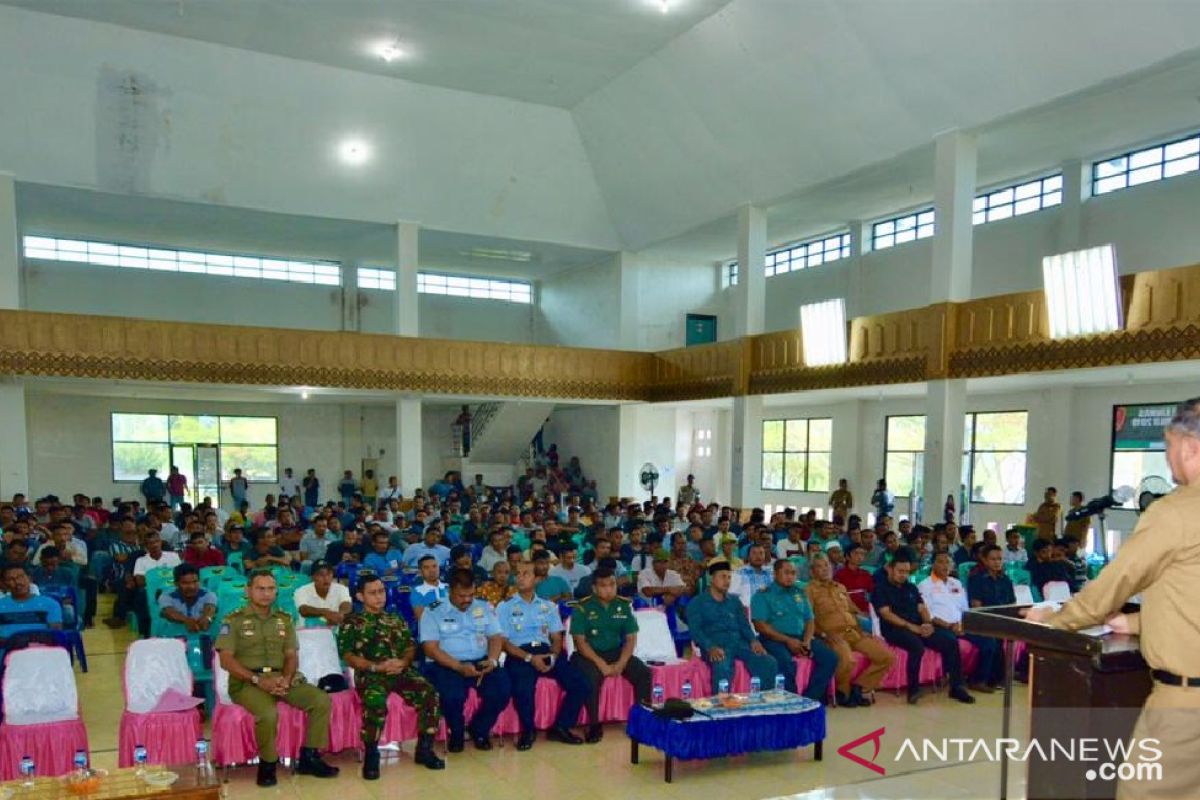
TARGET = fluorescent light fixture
(303,392)
(664,6)
(1081,292)
(354,152)
(823,326)
(521,256)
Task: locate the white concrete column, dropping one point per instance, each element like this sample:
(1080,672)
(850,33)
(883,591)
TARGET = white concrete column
(407,261)
(10,265)
(945,406)
(746,459)
(1076,187)
(953,196)
(407,455)
(629,314)
(350,297)
(14,444)
(750,294)
(950,281)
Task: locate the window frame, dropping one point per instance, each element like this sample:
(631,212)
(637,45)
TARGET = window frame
(1130,504)
(887,449)
(170,443)
(1125,172)
(970,451)
(807,452)
(983,204)
(922,228)
(475,287)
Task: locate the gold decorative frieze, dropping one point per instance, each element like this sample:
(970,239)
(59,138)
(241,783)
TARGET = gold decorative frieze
(1000,335)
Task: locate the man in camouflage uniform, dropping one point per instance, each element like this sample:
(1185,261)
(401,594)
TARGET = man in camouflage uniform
(380,648)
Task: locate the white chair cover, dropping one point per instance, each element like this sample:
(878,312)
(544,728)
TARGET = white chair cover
(151,667)
(39,687)
(654,642)
(1023,594)
(220,680)
(318,654)
(1057,591)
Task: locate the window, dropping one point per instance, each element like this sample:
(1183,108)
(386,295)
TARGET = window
(904,454)
(1146,165)
(808,254)
(1023,198)
(796,454)
(994,446)
(898,230)
(704,435)
(142,442)
(106,254)
(729,275)
(477,288)
(1138,449)
(372,278)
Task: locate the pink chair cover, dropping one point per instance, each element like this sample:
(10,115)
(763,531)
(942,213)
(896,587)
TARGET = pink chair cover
(897,677)
(616,694)
(345,721)
(969,655)
(168,736)
(233,734)
(401,722)
(52,746)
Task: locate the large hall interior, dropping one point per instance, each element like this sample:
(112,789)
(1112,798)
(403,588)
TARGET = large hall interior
(734,287)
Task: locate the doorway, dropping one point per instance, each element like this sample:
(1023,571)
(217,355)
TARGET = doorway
(700,329)
(200,464)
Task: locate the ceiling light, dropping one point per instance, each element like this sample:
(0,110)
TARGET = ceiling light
(1082,296)
(823,328)
(664,6)
(522,256)
(354,152)
(303,392)
(389,51)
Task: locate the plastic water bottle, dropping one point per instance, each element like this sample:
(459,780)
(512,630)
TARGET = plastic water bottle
(81,763)
(686,690)
(755,685)
(202,765)
(723,686)
(140,757)
(27,770)
(780,682)
(658,695)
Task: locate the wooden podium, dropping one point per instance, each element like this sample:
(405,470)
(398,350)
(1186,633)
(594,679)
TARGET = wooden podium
(1102,680)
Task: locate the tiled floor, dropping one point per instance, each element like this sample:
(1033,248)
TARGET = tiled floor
(604,771)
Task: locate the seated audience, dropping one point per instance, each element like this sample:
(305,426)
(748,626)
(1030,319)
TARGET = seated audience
(323,599)
(187,604)
(659,582)
(946,599)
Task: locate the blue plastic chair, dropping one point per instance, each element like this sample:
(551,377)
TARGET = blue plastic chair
(72,637)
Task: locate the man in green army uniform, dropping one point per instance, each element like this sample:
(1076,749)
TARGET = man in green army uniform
(259,649)
(605,633)
(380,648)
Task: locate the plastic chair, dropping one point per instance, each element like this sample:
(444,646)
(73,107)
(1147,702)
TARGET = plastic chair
(964,571)
(236,561)
(233,739)
(1023,594)
(318,658)
(152,666)
(72,636)
(1057,591)
(41,712)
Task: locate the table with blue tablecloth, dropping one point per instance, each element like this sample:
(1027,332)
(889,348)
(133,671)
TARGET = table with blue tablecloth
(774,720)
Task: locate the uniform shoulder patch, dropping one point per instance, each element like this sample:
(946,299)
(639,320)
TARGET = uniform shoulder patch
(435,604)
(624,600)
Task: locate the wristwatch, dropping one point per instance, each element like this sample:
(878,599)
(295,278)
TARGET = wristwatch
(528,657)
(495,663)
(254,678)
(374,667)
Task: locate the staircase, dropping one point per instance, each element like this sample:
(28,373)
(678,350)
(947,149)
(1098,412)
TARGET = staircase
(501,432)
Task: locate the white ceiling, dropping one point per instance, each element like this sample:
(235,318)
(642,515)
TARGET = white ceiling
(822,110)
(552,52)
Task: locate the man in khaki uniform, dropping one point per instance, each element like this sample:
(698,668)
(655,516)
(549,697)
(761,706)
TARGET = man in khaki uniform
(259,649)
(1046,516)
(1161,560)
(837,624)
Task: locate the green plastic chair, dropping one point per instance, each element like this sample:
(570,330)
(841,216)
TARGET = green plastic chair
(236,561)
(964,570)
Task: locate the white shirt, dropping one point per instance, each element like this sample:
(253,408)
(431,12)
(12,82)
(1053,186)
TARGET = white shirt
(785,548)
(1018,556)
(291,487)
(572,576)
(946,600)
(170,535)
(649,578)
(306,595)
(390,493)
(146,563)
(489,557)
(76,550)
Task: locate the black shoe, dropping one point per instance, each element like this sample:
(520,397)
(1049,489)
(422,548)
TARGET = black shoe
(525,741)
(425,754)
(370,770)
(311,764)
(844,700)
(564,735)
(856,697)
(913,696)
(595,734)
(961,694)
(266,773)
(482,742)
(455,743)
